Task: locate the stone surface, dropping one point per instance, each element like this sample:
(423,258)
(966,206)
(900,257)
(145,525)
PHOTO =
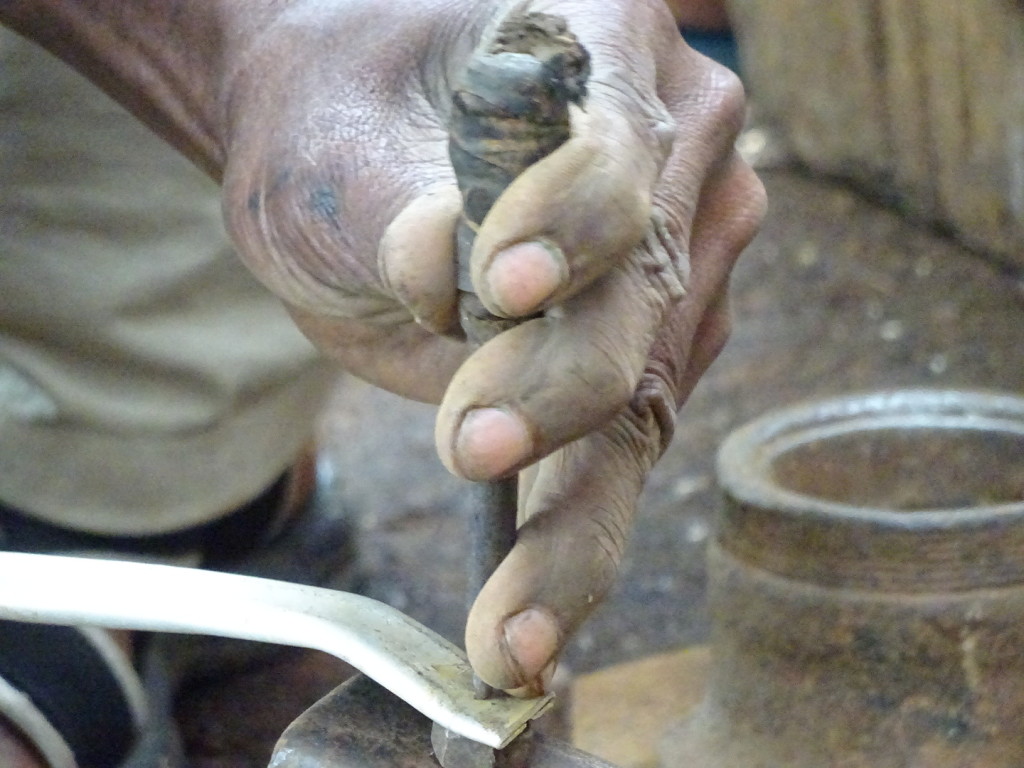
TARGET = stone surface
(920,101)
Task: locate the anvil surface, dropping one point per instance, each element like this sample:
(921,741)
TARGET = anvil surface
(361,725)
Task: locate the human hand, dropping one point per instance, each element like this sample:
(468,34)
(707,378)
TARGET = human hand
(327,123)
(340,196)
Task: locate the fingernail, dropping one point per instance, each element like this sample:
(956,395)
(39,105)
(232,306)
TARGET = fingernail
(523,276)
(537,687)
(531,641)
(490,442)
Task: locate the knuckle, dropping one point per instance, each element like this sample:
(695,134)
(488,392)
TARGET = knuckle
(627,112)
(727,96)
(749,202)
(711,110)
(641,431)
(756,197)
(652,410)
(717,336)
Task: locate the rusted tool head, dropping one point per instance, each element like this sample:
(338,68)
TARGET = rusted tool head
(361,725)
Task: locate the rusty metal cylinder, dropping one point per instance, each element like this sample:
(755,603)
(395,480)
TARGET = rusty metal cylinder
(866,586)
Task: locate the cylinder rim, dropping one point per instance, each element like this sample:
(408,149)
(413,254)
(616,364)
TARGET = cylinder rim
(745,457)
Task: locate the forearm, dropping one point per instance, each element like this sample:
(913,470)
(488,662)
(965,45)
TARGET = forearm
(167,61)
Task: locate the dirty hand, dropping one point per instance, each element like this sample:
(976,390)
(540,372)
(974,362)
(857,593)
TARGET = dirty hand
(327,121)
(344,203)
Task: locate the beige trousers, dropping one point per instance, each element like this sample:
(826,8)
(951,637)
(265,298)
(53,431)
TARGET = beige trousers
(147,381)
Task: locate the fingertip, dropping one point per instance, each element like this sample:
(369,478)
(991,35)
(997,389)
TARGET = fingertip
(588,202)
(490,443)
(522,277)
(540,685)
(523,659)
(530,641)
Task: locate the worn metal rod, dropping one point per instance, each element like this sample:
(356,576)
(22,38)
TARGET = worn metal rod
(510,110)
(492,535)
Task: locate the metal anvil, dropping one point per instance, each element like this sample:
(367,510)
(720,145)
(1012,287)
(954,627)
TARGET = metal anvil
(361,725)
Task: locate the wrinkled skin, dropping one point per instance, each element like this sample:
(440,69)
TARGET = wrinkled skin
(346,204)
(326,122)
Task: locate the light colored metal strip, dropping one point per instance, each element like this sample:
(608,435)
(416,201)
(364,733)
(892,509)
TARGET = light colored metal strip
(120,667)
(411,661)
(26,717)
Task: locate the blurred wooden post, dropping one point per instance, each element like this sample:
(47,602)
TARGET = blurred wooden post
(920,101)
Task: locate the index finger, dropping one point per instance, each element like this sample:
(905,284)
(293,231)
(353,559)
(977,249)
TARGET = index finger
(566,220)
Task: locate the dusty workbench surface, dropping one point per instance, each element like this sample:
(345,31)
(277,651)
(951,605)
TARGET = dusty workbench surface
(836,294)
